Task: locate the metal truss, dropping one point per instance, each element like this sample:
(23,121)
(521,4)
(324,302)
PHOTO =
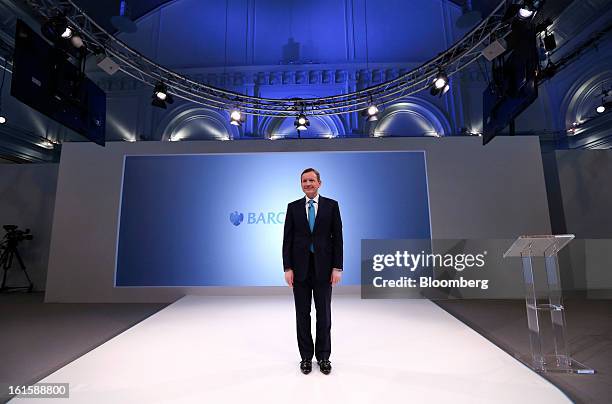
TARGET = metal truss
(134,64)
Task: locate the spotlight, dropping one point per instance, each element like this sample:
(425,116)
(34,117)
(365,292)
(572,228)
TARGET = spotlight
(46,144)
(56,29)
(59,31)
(440,81)
(601,109)
(236,118)
(371,113)
(76,41)
(525,13)
(301,122)
(161,96)
(160,91)
(440,84)
(2,119)
(528,9)
(67,33)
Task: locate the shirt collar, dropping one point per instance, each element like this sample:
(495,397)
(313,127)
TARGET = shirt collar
(316,199)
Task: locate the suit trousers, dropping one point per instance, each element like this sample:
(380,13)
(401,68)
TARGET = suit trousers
(303,292)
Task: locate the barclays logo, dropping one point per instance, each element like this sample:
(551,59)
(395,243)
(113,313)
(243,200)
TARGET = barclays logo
(236,218)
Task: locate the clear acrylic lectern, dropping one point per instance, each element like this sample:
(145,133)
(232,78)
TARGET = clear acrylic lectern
(543,298)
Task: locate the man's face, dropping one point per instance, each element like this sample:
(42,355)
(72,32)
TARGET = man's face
(310,184)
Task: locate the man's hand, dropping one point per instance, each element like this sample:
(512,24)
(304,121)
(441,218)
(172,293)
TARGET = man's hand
(336,276)
(289,277)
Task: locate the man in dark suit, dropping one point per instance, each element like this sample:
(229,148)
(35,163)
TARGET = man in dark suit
(312,260)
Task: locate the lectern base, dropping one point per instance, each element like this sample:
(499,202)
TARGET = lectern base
(556,364)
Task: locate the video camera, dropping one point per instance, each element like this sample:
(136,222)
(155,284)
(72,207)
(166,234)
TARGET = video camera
(14,235)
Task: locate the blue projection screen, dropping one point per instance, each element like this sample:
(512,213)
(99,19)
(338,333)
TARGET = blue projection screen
(217,219)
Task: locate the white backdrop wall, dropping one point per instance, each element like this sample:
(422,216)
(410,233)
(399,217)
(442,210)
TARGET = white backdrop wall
(496,191)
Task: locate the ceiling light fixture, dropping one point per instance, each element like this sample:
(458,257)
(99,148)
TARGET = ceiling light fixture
(440,85)
(161,97)
(235,118)
(528,9)
(301,122)
(371,113)
(67,33)
(77,41)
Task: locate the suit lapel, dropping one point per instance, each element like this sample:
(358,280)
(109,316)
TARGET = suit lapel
(320,211)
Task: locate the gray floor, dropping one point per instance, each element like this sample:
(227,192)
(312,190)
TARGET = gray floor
(589,326)
(38,338)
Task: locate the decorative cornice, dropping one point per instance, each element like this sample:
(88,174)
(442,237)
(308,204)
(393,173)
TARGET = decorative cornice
(322,75)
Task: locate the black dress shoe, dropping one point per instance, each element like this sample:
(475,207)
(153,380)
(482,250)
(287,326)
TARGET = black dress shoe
(325,366)
(306,366)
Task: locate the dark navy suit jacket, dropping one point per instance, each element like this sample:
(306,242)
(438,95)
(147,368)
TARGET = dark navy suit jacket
(326,238)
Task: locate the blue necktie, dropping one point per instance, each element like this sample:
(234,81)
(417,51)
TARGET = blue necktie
(311,218)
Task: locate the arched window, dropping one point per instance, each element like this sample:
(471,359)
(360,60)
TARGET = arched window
(320,127)
(197,124)
(414,117)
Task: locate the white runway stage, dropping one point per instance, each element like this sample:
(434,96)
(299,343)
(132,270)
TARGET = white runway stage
(244,350)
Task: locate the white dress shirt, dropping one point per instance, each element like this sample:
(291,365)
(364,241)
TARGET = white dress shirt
(316,205)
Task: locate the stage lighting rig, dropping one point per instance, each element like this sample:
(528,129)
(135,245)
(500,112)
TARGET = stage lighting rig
(236,117)
(77,41)
(440,84)
(161,96)
(463,53)
(604,106)
(301,122)
(57,29)
(371,113)
(606,102)
(67,33)
(529,8)
(160,91)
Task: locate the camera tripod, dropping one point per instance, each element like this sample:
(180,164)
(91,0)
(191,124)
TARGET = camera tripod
(9,252)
